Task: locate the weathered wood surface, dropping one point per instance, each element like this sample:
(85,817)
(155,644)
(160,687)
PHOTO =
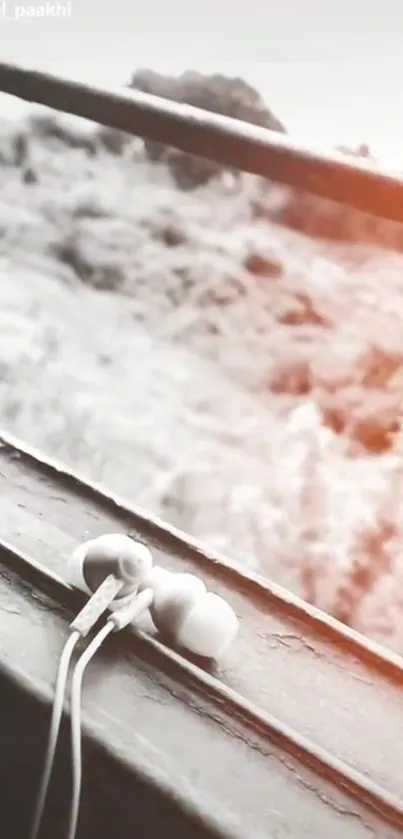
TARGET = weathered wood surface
(289,661)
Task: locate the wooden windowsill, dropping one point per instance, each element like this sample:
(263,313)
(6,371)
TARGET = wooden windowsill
(224,753)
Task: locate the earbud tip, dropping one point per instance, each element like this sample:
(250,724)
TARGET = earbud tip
(159,580)
(174,596)
(167,585)
(74,569)
(209,628)
(113,553)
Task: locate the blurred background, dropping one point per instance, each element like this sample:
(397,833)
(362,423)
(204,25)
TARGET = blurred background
(332,70)
(223,351)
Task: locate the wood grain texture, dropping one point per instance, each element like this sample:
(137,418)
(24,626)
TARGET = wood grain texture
(224,775)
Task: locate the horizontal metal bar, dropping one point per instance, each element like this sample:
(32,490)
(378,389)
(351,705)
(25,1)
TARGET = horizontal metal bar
(235,144)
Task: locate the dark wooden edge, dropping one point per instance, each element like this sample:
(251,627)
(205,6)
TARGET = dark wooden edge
(171,539)
(163,805)
(30,574)
(234,143)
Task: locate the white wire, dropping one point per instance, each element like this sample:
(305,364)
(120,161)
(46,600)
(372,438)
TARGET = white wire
(57,713)
(75,715)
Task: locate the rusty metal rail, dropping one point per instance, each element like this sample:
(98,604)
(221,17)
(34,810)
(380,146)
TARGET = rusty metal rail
(231,142)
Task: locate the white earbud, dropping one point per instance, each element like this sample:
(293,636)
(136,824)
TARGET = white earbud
(190,616)
(182,609)
(114,553)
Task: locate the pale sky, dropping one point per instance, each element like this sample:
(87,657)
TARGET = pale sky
(333,72)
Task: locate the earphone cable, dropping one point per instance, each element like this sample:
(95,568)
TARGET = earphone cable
(79,628)
(57,713)
(75,721)
(116,621)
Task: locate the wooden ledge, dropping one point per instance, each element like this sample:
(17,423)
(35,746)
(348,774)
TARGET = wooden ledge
(297,734)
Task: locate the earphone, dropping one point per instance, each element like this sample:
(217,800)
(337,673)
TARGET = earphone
(182,609)
(116,554)
(190,616)
(118,574)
